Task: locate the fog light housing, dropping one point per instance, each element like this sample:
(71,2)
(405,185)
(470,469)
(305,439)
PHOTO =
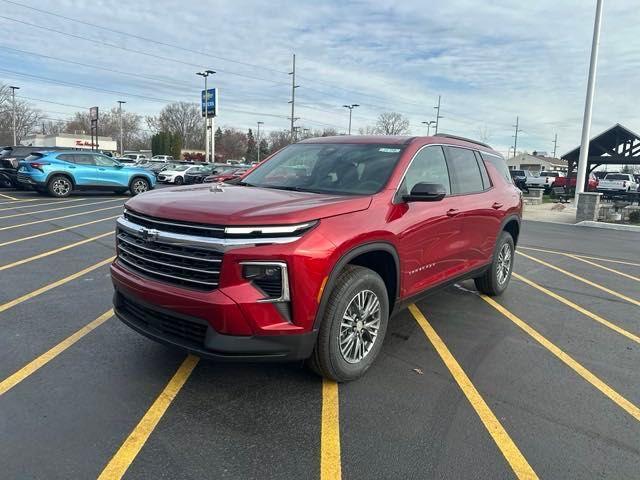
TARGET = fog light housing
(269,277)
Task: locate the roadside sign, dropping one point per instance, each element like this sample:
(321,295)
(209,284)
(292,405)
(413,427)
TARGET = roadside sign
(93,113)
(209,102)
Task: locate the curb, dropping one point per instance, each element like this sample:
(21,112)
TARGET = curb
(610,226)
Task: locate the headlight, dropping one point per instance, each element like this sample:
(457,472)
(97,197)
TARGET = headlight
(270,277)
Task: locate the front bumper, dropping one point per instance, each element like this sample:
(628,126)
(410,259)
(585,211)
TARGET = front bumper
(196,336)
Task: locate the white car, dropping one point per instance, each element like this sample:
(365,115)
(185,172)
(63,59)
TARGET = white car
(163,158)
(135,156)
(618,182)
(175,174)
(544,179)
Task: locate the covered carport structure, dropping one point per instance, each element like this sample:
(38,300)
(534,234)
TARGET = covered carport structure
(615,146)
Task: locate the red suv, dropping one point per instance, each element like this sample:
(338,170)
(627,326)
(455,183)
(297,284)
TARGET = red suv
(309,255)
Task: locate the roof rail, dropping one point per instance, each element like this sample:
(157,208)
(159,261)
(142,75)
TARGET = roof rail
(464,139)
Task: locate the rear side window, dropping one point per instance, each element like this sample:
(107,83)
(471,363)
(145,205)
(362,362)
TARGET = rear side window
(499,164)
(67,157)
(486,181)
(428,166)
(463,170)
(616,176)
(34,157)
(84,159)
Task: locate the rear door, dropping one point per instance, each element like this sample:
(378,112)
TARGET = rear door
(83,168)
(479,208)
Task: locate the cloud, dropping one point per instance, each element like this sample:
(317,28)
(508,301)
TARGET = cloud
(489,62)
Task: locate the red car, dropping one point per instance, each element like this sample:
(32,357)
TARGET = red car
(228,174)
(570,182)
(312,252)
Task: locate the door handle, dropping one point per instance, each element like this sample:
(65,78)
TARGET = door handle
(71,166)
(496,205)
(101,169)
(452,212)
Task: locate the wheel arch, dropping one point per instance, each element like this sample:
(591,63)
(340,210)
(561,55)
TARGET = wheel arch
(380,257)
(63,174)
(511,224)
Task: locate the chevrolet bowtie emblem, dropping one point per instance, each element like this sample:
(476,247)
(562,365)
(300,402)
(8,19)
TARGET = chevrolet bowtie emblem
(149,234)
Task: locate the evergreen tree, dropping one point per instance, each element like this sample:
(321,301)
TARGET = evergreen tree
(252,151)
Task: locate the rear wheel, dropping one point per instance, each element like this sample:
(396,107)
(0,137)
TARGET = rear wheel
(495,280)
(139,185)
(59,186)
(353,326)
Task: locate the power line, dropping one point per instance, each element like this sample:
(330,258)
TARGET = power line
(158,42)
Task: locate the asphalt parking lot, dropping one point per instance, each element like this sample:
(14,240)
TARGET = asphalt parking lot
(544,380)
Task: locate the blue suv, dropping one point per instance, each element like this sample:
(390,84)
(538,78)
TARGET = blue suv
(60,172)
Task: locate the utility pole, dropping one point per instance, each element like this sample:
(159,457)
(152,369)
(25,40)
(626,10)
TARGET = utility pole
(293,98)
(555,145)
(259,123)
(438,116)
(13,94)
(350,107)
(120,103)
(428,124)
(205,74)
(588,105)
(515,141)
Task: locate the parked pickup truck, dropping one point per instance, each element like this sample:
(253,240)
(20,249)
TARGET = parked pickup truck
(618,182)
(569,182)
(543,180)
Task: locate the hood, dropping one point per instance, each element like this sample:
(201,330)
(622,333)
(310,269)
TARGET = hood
(236,205)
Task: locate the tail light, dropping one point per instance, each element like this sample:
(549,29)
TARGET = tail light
(38,165)
(624,184)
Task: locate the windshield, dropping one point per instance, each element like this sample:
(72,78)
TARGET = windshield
(178,168)
(616,176)
(348,169)
(549,174)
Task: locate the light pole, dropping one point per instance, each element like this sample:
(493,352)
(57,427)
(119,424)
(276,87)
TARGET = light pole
(259,123)
(588,105)
(438,116)
(428,124)
(350,107)
(205,74)
(13,94)
(120,103)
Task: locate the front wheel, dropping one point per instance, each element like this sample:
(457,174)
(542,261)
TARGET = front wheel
(178,181)
(59,186)
(353,326)
(495,280)
(139,185)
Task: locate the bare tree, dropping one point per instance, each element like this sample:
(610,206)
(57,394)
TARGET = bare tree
(109,126)
(232,144)
(27,119)
(181,118)
(369,130)
(279,139)
(392,123)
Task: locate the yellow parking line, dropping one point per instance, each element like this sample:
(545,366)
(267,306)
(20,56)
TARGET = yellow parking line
(8,196)
(54,251)
(51,232)
(614,396)
(13,215)
(612,270)
(56,202)
(51,286)
(58,218)
(578,308)
(582,279)
(600,259)
(36,364)
(511,452)
(330,462)
(127,453)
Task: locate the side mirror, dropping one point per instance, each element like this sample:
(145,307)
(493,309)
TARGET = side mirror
(118,165)
(426,192)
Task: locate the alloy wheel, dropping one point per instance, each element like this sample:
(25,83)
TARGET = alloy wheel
(504,263)
(359,326)
(61,186)
(140,186)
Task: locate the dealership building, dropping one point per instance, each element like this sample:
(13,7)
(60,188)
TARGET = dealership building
(69,140)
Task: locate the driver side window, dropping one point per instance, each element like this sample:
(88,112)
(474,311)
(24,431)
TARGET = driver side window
(428,166)
(103,161)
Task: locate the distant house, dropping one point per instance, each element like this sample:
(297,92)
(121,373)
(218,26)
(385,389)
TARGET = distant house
(536,162)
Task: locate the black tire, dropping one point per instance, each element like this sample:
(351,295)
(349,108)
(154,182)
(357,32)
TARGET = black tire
(178,181)
(120,191)
(496,279)
(59,186)
(327,358)
(139,185)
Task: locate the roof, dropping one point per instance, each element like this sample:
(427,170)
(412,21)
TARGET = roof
(611,138)
(399,140)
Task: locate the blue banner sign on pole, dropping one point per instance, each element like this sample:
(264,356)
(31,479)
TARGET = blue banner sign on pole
(209,102)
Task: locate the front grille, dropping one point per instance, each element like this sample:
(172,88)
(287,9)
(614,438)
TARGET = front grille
(191,332)
(176,264)
(273,288)
(185,228)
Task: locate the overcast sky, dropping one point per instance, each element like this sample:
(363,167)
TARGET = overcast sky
(490,63)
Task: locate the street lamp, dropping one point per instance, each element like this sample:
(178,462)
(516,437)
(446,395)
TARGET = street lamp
(350,107)
(205,74)
(428,124)
(13,94)
(259,123)
(120,103)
